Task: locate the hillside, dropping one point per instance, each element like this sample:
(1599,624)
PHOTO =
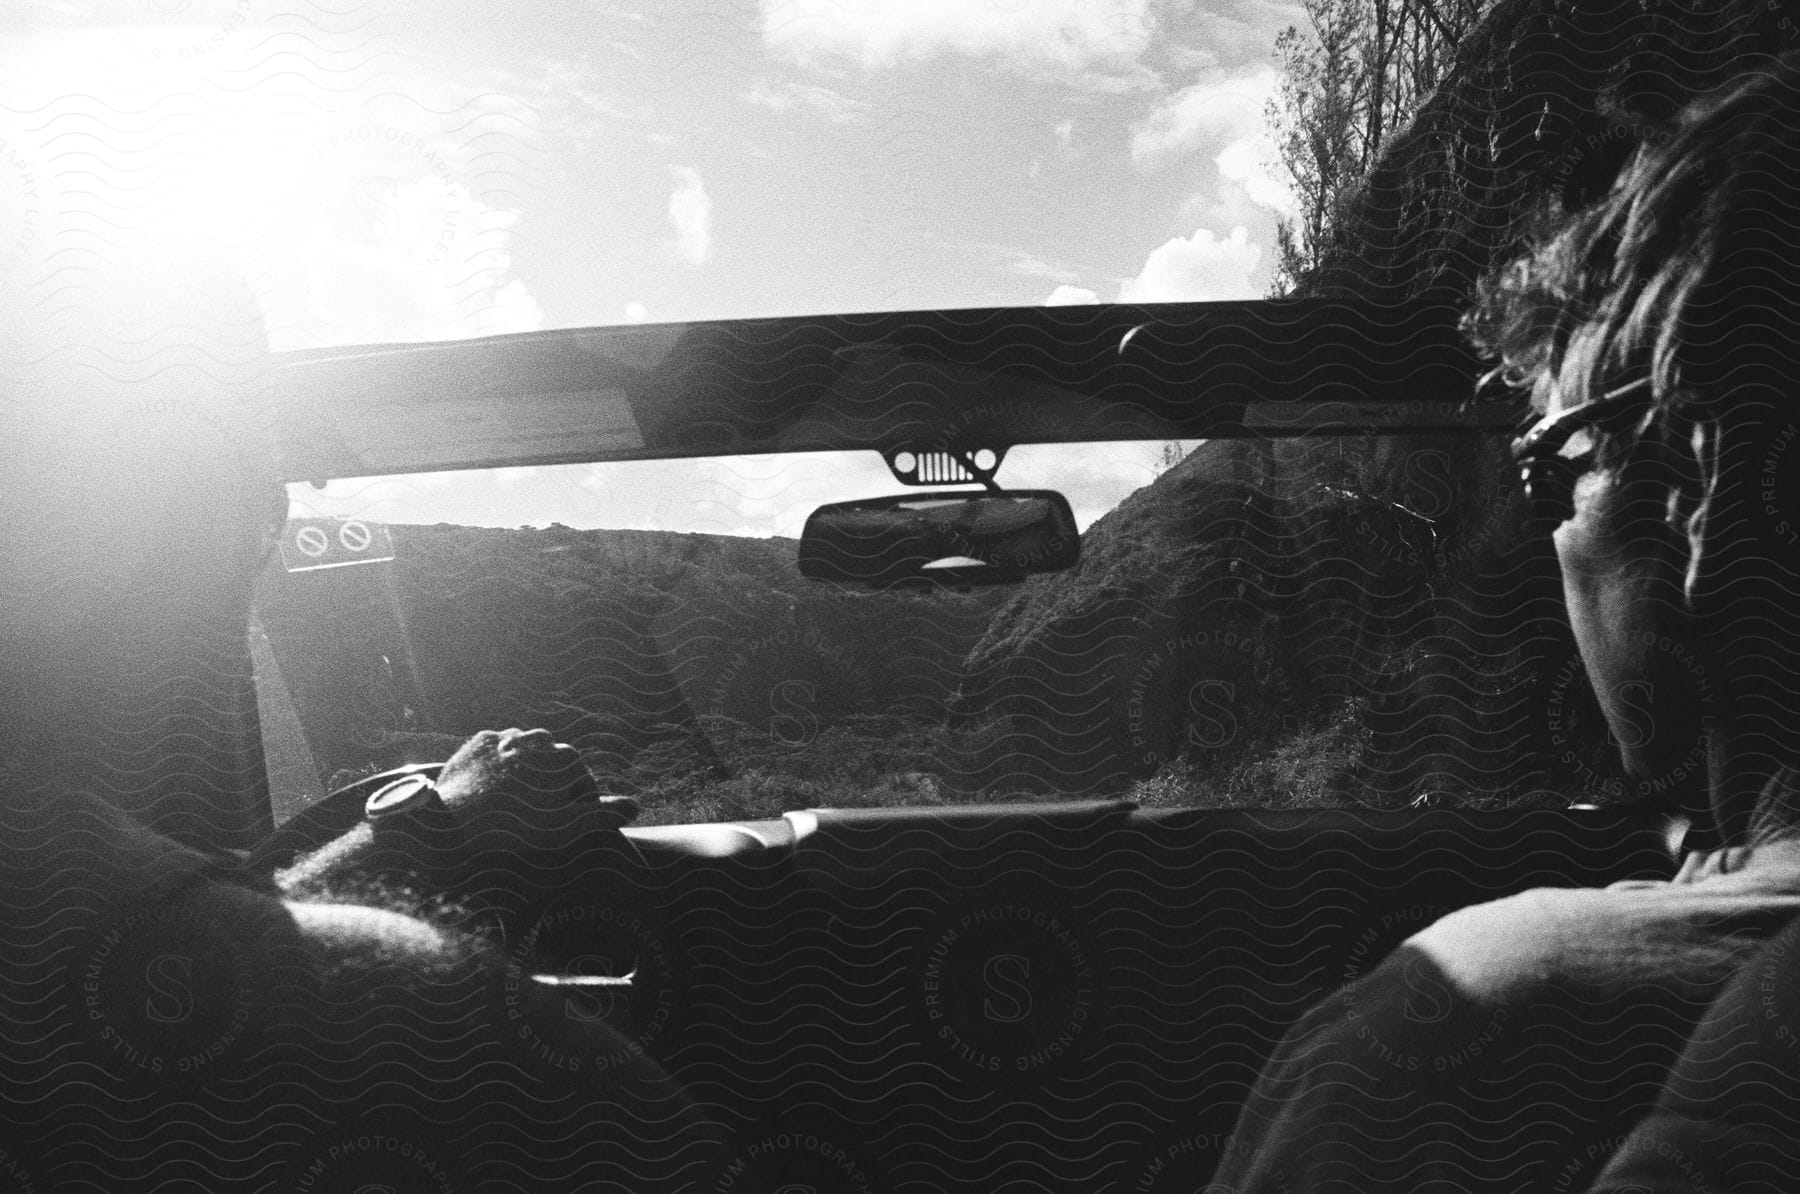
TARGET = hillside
(667,658)
(1545,100)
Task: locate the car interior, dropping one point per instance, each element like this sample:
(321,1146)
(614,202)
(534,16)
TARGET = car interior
(1047,983)
(1031,708)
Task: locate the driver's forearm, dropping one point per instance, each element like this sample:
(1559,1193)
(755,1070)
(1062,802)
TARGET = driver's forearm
(352,858)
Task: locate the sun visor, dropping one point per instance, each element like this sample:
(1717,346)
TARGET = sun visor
(502,401)
(408,437)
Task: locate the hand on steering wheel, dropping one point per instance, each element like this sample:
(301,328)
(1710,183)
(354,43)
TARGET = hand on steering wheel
(528,821)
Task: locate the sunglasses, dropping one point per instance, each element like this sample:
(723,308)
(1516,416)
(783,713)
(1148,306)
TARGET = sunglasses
(1549,476)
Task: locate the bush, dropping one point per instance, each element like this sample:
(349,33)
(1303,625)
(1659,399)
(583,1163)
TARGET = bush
(1307,768)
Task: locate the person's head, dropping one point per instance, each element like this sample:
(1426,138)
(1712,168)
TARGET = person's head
(1678,294)
(137,472)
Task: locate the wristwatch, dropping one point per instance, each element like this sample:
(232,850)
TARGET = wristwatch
(408,816)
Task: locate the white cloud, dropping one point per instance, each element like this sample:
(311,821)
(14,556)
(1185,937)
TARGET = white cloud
(402,259)
(1228,110)
(508,479)
(1075,36)
(774,495)
(690,214)
(415,497)
(1068,296)
(377,226)
(788,96)
(1227,121)
(1094,477)
(1037,267)
(1197,268)
(509,307)
(1247,165)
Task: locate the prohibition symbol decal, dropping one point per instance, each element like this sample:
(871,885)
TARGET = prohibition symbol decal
(312,542)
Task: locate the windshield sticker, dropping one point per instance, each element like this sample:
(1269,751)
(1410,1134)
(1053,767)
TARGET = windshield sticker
(310,544)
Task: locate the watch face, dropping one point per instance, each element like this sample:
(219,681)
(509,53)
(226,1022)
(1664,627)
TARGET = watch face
(406,794)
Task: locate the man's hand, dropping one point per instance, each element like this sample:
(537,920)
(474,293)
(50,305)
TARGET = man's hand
(523,786)
(529,821)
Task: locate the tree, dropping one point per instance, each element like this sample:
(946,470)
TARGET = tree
(1314,120)
(1354,75)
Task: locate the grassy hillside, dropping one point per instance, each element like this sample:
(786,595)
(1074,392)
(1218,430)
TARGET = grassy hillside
(696,671)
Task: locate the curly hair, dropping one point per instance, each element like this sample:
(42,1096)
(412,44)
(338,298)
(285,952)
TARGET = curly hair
(1686,272)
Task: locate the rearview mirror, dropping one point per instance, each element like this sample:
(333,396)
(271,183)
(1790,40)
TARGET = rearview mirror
(962,537)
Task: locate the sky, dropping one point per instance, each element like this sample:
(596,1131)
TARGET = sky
(390,171)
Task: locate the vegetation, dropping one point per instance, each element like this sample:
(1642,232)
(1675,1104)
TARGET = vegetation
(688,668)
(1354,75)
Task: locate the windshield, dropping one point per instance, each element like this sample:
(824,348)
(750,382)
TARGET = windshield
(1311,623)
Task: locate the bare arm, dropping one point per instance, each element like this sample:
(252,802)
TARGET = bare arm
(517,821)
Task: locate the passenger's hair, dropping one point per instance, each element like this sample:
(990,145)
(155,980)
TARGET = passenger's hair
(1687,272)
(1685,275)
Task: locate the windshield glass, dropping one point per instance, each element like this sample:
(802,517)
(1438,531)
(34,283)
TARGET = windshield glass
(1252,624)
